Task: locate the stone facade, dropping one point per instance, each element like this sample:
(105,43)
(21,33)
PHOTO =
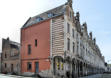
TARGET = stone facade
(80,54)
(10,57)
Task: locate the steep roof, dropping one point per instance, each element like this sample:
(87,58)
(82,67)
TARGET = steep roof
(44,16)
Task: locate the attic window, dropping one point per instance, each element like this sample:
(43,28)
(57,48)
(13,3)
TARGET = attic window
(39,19)
(50,15)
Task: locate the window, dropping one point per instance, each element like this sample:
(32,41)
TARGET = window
(5,65)
(50,15)
(39,19)
(29,49)
(36,42)
(68,44)
(73,33)
(77,48)
(73,47)
(68,28)
(29,66)
(70,14)
(5,55)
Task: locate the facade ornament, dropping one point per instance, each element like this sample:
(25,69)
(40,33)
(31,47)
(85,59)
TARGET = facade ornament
(77,16)
(90,35)
(94,40)
(85,26)
(70,3)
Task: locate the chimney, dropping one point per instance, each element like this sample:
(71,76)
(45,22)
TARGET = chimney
(85,26)
(77,16)
(69,3)
(8,38)
(90,34)
(94,40)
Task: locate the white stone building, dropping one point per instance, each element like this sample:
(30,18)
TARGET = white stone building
(74,51)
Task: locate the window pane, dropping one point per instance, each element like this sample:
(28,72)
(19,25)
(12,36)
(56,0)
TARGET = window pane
(68,28)
(29,49)
(73,47)
(73,33)
(36,42)
(29,66)
(68,44)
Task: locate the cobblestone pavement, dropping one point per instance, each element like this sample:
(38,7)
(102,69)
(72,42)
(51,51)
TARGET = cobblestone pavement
(92,76)
(106,76)
(13,76)
(98,76)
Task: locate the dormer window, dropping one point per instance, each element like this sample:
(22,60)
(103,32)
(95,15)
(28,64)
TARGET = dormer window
(50,15)
(70,14)
(39,19)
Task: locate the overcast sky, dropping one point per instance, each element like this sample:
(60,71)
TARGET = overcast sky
(97,14)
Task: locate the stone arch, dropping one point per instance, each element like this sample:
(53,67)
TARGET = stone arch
(74,72)
(57,64)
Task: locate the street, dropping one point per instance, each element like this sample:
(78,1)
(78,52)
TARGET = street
(93,76)
(12,76)
(106,76)
(98,76)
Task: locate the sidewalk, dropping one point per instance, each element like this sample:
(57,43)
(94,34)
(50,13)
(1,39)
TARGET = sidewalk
(12,76)
(93,76)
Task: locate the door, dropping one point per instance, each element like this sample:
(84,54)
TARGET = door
(36,67)
(12,68)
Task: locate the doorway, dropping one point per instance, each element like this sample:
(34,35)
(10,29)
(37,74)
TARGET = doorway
(11,67)
(36,67)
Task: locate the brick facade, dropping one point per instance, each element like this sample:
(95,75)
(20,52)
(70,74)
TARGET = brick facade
(37,37)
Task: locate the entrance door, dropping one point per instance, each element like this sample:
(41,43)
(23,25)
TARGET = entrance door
(11,67)
(36,67)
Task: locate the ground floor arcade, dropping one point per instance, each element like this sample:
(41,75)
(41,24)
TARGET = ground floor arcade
(73,67)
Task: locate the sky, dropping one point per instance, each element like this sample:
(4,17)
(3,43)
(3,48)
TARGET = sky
(97,14)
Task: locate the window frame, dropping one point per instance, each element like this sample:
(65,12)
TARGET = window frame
(68,44)
(73,47)
(29,67)
(73,33)
(36,41)
(29,49)
(68,28)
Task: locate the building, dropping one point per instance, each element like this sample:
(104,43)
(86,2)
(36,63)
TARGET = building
(0,62)
(58,34)
(10,57)
(35,46)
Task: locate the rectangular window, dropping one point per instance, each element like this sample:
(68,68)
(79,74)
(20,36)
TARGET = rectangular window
(5,65)
(73,47)
(70,14)
(77,48)
(5,55)
(68,28)
(73,33)
(36,42)
(68,44)
(29,66)
(29,49)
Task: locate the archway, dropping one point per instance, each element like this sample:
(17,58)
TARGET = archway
(58,65)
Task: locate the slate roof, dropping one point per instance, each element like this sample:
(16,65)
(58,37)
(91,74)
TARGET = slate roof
(44,16)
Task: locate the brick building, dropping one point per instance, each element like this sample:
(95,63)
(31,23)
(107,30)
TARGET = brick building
(10,57)
(35,47)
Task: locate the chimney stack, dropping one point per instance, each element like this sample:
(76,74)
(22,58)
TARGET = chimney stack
(90,34)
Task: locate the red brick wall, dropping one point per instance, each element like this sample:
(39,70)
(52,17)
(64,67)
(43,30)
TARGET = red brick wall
(41,32)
